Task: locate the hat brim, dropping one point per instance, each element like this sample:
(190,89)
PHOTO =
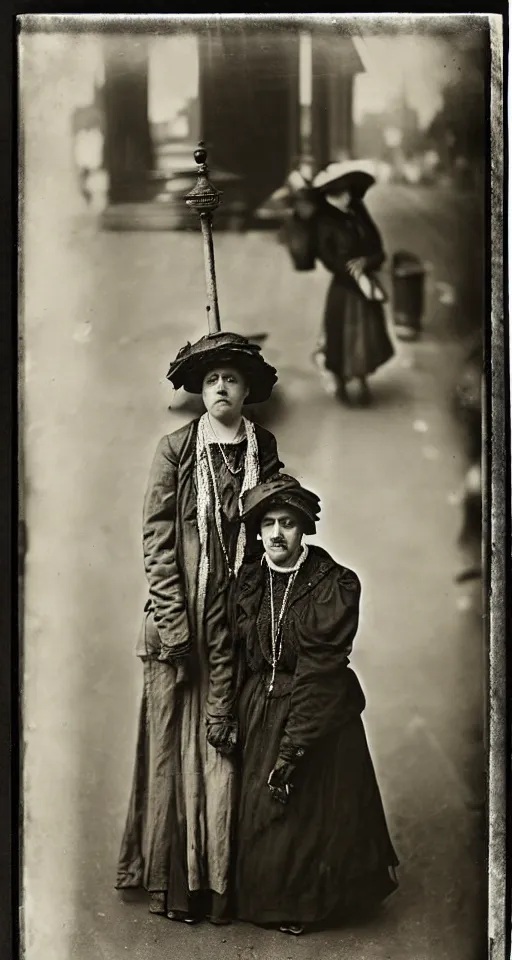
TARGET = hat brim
(355,182)
(301,502)
(189,371)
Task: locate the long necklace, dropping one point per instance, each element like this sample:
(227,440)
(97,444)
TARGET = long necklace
(276,637)
(218,517)
(220,445)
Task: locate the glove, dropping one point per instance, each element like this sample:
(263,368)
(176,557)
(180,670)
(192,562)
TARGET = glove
(279,781)
(222,734)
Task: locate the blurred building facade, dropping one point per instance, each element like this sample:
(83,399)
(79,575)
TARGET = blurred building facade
(234,86)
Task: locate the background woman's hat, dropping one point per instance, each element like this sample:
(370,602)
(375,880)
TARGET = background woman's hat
(347,175)
(282,490)
(194,360)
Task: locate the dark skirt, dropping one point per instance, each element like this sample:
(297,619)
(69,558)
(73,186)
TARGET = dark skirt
(328,851)
(181,813)
(356,337)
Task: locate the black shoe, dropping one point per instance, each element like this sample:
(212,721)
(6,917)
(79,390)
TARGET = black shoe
(220,921)
(342,396)
(182,917)
(294,928)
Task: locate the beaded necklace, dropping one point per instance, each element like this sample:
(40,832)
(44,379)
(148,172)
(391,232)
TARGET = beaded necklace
(217,512)
(208,501)
(220,445)
(276,637)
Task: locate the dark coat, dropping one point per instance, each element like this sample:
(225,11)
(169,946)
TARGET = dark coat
(356,337)
(320,624)
(329,846)
(171,557)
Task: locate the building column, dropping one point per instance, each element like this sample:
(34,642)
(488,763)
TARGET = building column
(128,145)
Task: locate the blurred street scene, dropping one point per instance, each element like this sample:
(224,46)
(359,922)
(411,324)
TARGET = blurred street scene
(112,286)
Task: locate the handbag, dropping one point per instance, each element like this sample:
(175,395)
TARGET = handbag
(300,241)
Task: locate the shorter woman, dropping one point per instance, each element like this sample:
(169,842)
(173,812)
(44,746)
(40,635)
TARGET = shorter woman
(356,340)
(313,843)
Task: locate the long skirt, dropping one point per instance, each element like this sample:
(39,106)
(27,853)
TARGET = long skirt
(328,851)
(357,341)
(179,829)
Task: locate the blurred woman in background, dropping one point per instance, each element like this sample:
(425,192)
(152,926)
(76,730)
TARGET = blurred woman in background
(356,340)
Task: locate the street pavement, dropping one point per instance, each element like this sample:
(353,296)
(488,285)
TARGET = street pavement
(104,314)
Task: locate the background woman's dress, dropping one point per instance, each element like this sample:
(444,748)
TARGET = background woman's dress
(356,338)
(328,849)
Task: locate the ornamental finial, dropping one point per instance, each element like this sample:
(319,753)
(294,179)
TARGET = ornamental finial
(205,199)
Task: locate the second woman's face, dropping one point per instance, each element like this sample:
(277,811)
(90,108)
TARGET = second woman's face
(224,393)
(340,200)
(281,532)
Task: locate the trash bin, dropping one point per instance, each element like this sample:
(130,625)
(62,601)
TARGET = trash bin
(408,283)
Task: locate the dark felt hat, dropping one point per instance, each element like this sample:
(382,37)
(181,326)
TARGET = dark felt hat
(194,360)
(282,490)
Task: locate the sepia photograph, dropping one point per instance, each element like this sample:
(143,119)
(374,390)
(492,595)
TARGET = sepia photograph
(260,264)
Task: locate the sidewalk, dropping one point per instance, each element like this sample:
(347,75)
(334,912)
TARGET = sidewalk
(97,402)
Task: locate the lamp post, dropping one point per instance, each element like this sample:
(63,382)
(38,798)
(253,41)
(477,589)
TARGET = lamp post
(205,199)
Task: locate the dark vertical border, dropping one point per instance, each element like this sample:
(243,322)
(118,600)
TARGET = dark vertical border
(497,467)
(8,525)
(497,543)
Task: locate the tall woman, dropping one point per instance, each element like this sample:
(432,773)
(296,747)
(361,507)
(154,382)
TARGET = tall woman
(177,839)
(349,245)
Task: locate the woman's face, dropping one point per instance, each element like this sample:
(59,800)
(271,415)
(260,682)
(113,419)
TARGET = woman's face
(224,393)
(281,532)
(340,200)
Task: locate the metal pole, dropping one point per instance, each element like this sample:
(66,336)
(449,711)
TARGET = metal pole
(205,199)
(209,269)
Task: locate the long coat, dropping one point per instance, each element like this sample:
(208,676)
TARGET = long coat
(329,846)
(192,787)
(356,337)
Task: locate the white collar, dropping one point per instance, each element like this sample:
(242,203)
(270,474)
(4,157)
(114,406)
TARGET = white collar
(300,561)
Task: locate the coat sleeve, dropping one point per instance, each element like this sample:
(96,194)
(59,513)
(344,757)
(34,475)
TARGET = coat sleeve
(159,542)
(325,691)
(375,256)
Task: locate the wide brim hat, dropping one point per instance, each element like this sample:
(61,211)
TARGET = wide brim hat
(348,175)
(296,185)
(194,360)
(282,490)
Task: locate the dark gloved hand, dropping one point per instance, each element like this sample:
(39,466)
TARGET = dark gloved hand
(222,734)
(279,781)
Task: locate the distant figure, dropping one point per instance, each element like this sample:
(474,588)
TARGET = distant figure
(348,243)
(313,844)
